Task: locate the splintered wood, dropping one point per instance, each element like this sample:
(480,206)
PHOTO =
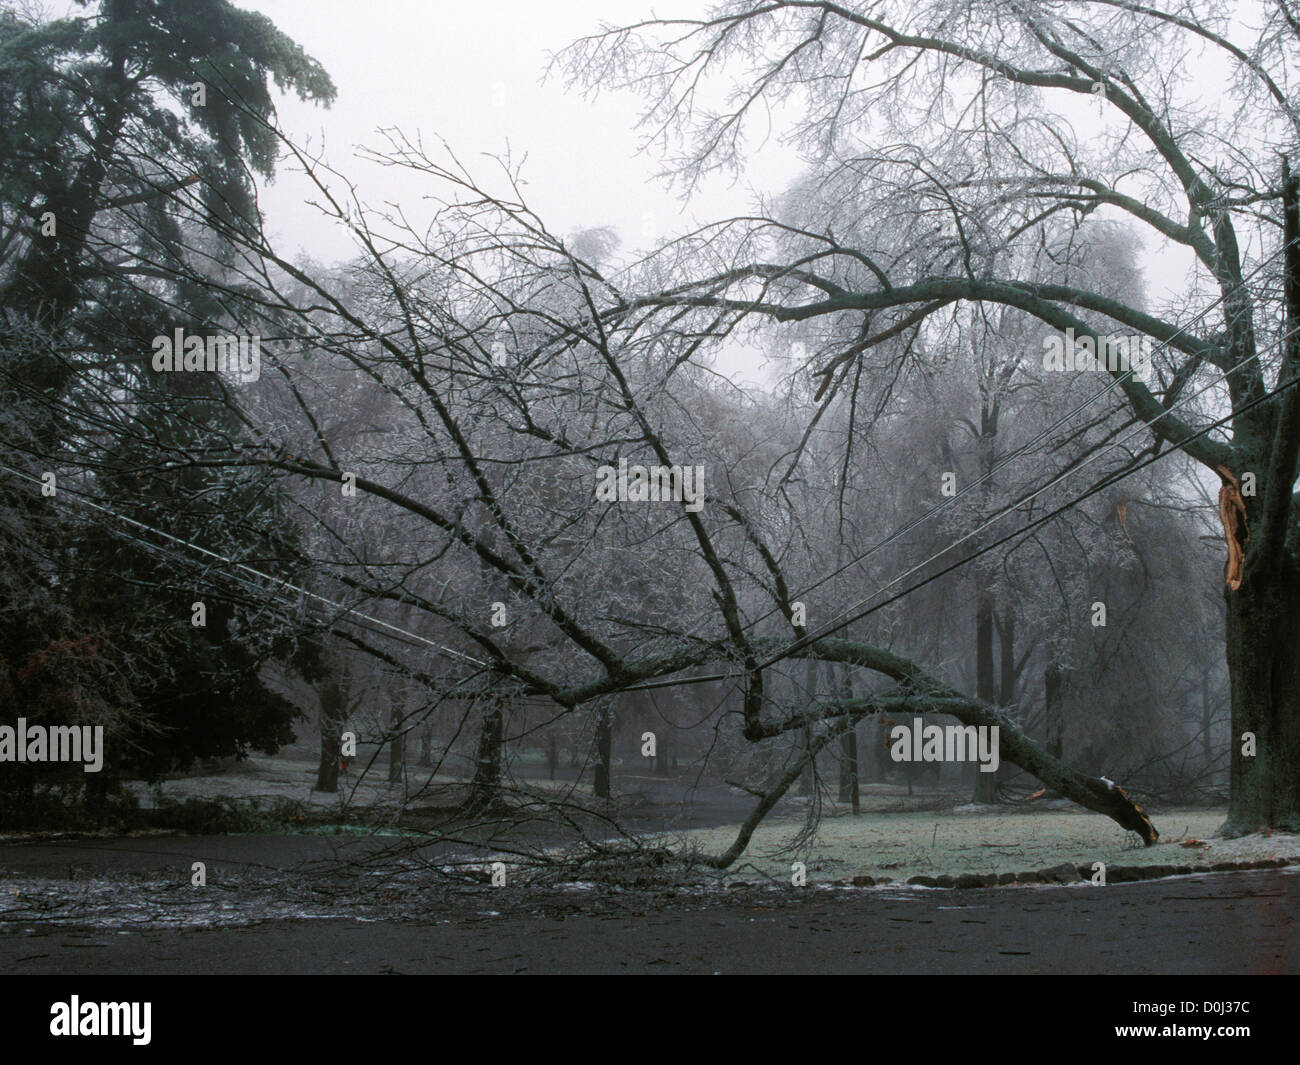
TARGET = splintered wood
(1232,514)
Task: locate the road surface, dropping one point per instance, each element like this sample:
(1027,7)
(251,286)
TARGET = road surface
(1223,923)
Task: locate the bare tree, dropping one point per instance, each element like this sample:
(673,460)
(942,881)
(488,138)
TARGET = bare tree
(972,107)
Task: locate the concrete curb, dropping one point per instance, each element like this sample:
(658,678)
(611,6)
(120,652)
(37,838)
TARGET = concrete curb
(1070,874)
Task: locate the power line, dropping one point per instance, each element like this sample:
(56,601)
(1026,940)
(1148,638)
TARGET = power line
(1101,485)
(344,610)
(798,644)
(1017,504)
(1111,385)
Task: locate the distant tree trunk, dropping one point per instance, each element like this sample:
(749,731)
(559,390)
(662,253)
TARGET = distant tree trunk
(604,748)
(426,747)
(808,782)
(1007,662)
(1207,719)
(332,699)
(872,756)
(552,753)
(986,787)
(396,747)
(664,755)
(485,789)
(849,791)
(1054,723)
(986,784)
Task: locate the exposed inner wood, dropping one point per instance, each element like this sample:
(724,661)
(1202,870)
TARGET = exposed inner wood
(1232,514)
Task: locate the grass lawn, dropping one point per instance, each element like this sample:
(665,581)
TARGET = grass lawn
(899,844)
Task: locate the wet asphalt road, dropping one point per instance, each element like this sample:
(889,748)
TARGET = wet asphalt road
(1227,923)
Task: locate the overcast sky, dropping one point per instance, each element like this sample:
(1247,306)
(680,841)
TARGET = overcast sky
(472,74)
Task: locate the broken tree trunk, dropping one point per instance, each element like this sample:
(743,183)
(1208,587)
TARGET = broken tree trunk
(928,695)
(923,694)
(1099,794)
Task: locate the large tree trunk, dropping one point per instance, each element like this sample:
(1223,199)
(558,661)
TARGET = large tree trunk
(1264,666)
(1263,624)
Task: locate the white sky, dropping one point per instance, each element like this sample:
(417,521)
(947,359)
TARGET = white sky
(471,73)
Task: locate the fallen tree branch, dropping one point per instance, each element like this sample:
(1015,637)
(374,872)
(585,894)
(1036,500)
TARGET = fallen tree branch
(774,794)
(932,696)
(1099,794)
